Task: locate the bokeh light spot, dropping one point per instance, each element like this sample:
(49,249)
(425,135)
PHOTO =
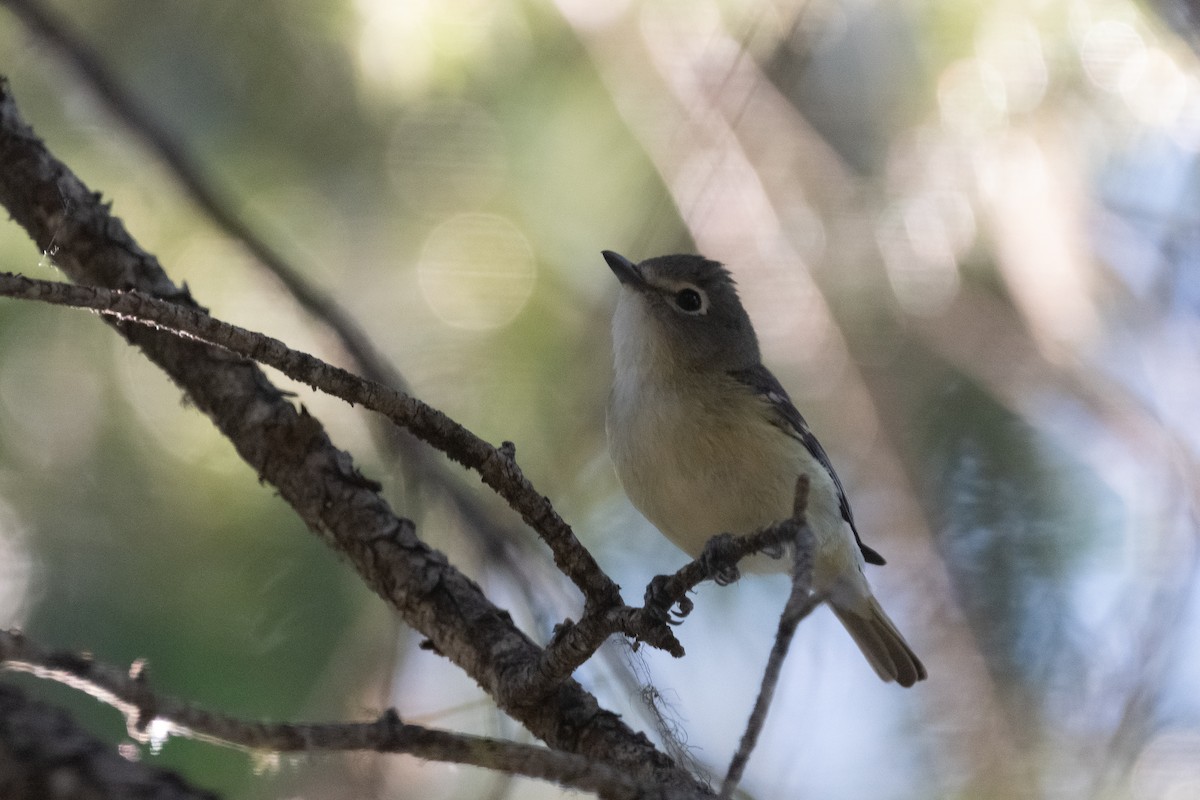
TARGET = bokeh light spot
(972,100)
(476,271)
(1010,52)
(1153,88)
(920,240)
(1108,48)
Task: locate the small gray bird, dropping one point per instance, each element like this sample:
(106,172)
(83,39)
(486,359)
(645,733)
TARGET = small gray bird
(706,441)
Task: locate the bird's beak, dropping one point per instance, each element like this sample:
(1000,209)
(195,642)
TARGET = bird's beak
(625,270)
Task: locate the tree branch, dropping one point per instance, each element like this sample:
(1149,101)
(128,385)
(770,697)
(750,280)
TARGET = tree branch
(191,176)
(498,470)
(800,603)
(574,643)
(603,616)
(290,450)
(153,717)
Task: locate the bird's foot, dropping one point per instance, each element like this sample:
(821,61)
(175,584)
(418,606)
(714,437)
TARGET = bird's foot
(658,602)
(718,561)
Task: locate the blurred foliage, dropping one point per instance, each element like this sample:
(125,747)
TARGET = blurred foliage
(965,231)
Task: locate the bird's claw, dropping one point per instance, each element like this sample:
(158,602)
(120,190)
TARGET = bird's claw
(718,560)
(659,604)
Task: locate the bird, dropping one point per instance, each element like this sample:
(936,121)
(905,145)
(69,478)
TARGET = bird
(705,440)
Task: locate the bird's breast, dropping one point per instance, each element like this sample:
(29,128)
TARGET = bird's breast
(698,462)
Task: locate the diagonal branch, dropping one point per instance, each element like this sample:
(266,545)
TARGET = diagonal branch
(540,673)
(153,717)
(574,643)
(191,176)
(290,450)
(497,468)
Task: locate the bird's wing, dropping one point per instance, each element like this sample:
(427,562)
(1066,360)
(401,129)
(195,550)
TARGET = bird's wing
(786,417)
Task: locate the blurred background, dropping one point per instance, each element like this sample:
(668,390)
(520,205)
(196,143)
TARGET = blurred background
(967,232)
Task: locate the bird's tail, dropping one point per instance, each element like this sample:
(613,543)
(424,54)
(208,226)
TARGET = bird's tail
(876,635)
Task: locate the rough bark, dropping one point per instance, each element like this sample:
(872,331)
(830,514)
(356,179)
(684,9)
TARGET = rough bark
(290,450)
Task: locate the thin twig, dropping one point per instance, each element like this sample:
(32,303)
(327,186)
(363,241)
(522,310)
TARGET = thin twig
(153,717)
(575,642)
(798,607)
(801,602)
(428,424)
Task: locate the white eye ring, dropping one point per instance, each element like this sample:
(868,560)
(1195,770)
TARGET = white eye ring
(690,300)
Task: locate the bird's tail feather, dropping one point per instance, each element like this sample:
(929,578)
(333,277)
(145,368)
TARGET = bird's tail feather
(884,647)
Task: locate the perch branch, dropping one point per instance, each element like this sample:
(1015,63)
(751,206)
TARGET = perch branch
(574,643)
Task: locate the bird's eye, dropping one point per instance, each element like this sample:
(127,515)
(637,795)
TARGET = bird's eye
(689,300)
